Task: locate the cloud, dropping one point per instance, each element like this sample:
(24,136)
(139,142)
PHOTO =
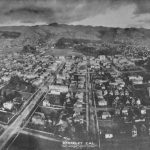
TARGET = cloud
(143,7)
(62,11)
(121,17)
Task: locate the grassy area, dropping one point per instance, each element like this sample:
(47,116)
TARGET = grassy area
(24,88)
(25,95)
(63,52)
(143,95)
(27,142)
(5,117)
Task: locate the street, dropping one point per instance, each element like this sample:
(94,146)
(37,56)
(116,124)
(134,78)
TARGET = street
(15,127)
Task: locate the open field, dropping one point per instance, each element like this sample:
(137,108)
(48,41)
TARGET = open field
(63,52)
(27,142)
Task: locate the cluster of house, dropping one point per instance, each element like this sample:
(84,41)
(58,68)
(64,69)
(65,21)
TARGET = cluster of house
(78,78)
(136,79)
(31,68)
(63,109)
(123,64)
(137,51)
(10,101)
(115,101)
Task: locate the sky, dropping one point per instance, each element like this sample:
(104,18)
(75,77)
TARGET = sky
(121,17)
(111,13)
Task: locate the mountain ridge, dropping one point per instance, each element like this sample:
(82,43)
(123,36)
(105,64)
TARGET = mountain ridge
(33,35)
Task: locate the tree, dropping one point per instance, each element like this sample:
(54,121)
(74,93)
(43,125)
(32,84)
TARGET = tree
(29,49)
(14,80)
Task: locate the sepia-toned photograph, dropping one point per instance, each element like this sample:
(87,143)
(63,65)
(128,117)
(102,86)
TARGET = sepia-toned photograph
(74,74)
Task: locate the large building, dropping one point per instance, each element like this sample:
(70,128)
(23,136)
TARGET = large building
(61,89)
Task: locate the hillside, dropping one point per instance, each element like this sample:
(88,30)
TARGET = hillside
(16,37)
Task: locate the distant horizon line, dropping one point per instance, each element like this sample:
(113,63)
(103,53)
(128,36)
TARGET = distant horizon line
(69,24)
